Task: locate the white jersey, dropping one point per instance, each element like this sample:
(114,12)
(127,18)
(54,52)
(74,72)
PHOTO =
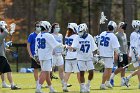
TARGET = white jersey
(69,41)
(44,45)
(58,38)
(135,42)
(84,47)
(108,42)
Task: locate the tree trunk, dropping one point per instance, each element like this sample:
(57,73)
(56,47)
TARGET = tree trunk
(52,10)
(129,13)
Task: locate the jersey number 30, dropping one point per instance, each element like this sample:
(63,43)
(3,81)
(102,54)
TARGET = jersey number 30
(41,43)
(104,41)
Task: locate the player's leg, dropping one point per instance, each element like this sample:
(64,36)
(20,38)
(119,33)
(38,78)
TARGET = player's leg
(4,85)
(42,76)
(126,79)
(139,77)
(82,68)
(122,70)
(36,67)
(7,69)
(61,73)
(46,67)
(90,68)
(68,70)
(107,73)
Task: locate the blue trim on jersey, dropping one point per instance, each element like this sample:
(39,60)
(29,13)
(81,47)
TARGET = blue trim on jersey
(84,35)
(31,40)
(78,66)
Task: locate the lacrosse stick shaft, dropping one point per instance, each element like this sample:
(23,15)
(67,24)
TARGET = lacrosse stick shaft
(128,65)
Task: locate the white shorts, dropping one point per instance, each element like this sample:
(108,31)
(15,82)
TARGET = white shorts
(57,60)
(85,65)
(71,66)
(46,65)
(108,62)
(136,64)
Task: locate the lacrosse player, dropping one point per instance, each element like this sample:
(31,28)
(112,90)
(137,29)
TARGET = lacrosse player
(57,52)
(134,51)
(124,50)
(70,56)
(44,45)
(107,45)
(4,65)
(31,49)
(85,46)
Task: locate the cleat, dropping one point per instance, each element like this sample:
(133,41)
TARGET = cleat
(6,86)
(88,87)
(54,77)
(65,90)
(15,87)
(112,82)
(103,87)
(122,82)
(52,90)
(38,91)
(108,85)
(69,85)
(83,89)
(126,82)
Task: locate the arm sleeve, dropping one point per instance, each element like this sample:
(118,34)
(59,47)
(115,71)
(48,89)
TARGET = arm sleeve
(29,39)
(115,42)
(36,47)
(94,46)
(75,43)
(52,42)
(133,39)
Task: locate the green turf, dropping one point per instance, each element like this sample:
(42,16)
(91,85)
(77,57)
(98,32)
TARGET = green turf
(27,83)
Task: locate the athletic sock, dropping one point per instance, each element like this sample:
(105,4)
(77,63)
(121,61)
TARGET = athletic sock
(112,76)
(129,76)
(38,86)
(89,82)
(3,82)
(12,84)
(37,82)
(62,81)
(107,82)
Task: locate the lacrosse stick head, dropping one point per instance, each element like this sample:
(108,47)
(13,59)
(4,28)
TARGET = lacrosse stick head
(103,18)
(101,62)
(12,28)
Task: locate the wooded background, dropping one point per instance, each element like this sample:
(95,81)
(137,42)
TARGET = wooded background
(25,12)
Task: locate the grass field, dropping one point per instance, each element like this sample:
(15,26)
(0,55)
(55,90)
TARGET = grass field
(27,83)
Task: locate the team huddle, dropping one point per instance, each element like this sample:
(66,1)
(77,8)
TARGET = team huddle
(79,53)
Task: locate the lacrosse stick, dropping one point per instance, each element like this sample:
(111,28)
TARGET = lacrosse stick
(103,18)
(8,44)
(35,58)
(97,59)
(12,30)
(102,21)
(134,60)
(128,65)
(135,54)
